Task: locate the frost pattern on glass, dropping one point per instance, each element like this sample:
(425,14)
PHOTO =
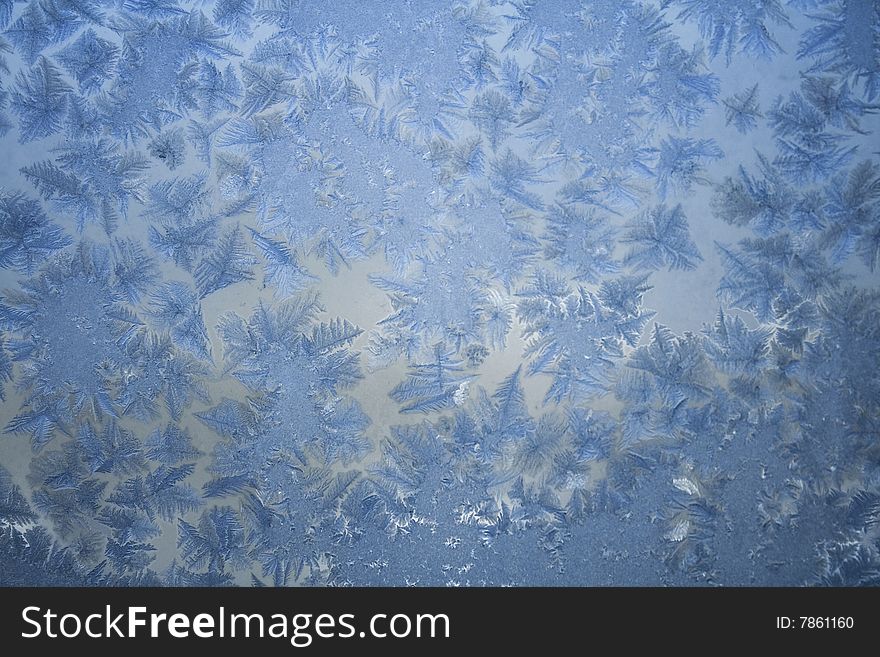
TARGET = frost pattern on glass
(538,292)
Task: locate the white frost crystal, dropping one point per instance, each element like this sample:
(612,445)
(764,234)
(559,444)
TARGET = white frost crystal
(685,485)
(679,532)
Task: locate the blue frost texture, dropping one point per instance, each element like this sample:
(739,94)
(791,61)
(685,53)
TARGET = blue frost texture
(439,292)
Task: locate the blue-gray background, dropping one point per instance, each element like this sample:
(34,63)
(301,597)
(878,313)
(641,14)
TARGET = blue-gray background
(550,292)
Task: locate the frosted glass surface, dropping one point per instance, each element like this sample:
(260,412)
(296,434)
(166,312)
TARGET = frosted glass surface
(550,292)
